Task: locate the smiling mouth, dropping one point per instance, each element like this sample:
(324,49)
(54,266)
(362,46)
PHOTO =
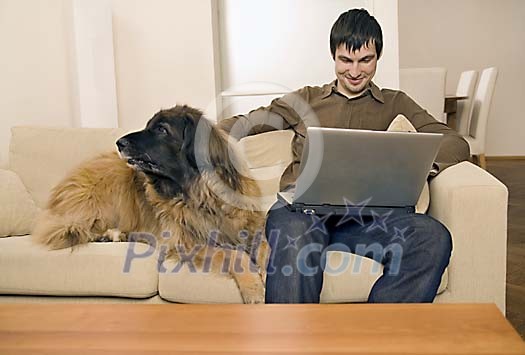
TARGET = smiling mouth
(354,81)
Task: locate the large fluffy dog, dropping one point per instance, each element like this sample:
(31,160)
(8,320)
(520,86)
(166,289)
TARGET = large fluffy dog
(176,180)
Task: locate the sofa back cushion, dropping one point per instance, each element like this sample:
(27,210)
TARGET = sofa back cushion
(267,156)
(17,210)
(42,156)
(267,149)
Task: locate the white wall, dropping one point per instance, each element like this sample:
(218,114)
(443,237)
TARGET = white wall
(94,95)
(283,45)
(473,34)
(34,67)
(163,56)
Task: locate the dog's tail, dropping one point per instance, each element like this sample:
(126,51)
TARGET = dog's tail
(59,232)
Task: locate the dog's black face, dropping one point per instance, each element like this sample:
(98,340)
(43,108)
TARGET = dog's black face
(165,150)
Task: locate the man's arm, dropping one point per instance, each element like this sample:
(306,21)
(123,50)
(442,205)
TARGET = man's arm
(279,115)
(454,148)
(257,121)
(290,111)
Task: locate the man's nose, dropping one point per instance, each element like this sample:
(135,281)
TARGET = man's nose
(354,70)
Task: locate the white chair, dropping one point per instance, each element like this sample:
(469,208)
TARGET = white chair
(466,85)
(477,132)
(426,86)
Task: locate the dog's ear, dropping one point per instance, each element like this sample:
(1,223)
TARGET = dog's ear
(188,138)
(224,160)
(212,153)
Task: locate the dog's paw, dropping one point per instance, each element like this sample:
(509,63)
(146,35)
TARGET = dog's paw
(253,299)
(102,239)
(112,235)
(262,274)
(253,293)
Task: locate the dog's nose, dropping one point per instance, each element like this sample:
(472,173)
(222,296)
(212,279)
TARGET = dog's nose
(122,143)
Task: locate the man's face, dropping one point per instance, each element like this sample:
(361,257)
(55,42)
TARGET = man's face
(354,70)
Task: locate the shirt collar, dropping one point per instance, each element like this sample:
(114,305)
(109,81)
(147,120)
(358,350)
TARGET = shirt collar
(372,88)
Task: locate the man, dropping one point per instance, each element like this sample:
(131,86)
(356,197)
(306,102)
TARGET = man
(414,248)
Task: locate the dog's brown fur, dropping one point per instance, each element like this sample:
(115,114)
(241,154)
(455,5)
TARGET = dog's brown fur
(109,199)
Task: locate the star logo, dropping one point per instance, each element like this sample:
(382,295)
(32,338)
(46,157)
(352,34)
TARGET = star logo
(379,221)
(318,223)
(354,211)
(400,234)
(292,242)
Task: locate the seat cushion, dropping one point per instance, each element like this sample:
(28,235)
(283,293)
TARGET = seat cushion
(348,278)
(178,283)
(95,269)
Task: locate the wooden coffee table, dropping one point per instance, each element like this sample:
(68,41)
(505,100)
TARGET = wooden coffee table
(257,329)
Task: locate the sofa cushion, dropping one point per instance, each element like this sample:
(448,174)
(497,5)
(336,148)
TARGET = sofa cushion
(402,124)
(268,179)
(17,208)
(178,283)
(267,155)
(42,156)
(348,278)
(95,269)
(267,149)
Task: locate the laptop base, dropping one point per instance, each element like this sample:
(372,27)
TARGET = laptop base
(349,211)
(286,198)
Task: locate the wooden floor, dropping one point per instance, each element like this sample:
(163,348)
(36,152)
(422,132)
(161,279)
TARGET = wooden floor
(512,174)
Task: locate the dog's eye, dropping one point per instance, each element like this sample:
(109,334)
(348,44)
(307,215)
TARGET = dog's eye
(162,130)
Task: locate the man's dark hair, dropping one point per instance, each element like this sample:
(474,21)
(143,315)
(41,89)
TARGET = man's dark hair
(354,29)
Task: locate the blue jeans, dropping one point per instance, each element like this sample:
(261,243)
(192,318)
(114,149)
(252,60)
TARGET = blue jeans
(413,248)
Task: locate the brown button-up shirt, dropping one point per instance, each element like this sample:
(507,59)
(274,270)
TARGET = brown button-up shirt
(324,106)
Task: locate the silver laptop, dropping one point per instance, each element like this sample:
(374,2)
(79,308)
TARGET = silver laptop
(345,169)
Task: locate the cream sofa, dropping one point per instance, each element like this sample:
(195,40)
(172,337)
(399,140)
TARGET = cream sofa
(468,200)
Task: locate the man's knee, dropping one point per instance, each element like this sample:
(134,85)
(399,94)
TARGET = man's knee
(443,239)
(434,235)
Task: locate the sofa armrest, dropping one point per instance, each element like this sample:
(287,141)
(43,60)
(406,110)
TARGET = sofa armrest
(472,204)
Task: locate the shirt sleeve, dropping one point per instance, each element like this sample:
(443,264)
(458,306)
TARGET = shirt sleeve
(279,115)
(454,148)
(287,112)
